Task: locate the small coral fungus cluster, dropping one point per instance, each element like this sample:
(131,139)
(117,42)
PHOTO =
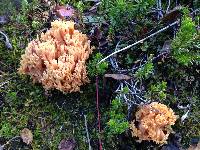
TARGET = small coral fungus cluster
(153,122)
(57,58)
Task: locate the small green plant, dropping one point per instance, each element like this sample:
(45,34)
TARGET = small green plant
(94,68)
(125,90)
(185,47)
(158,91)
(80,6)
(35,24)
(117,123)
(146,70)
(122,12)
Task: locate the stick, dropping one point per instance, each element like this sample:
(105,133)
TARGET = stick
(7,42)
(8,142)
(98,112)
(169,3)
(88,137)
(140,41)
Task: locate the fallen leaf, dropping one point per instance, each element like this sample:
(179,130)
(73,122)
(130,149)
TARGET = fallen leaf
(26,135)
(67,144)
(117,76)
(172,15)
(64,11)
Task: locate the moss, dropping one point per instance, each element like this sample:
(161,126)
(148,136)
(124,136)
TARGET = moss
(26,106)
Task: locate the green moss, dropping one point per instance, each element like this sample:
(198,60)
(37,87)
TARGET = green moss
(50,123)
(6,129)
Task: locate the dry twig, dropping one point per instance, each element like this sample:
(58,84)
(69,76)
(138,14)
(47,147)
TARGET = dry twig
(140,41)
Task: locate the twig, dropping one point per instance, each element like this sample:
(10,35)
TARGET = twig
(133,96)
(5,82)
(176,3)
(140,41)
(86,128)
(98,111)
(195,11)
(185,116)
(159,6)
(113,61)
(7,42)
(8,142)
(183,107)
(2,84)
(169,3)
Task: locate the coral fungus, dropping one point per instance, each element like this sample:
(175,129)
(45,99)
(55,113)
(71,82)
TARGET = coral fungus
(153,122)
(57,58)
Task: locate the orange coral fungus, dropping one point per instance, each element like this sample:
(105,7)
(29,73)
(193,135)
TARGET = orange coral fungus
(57,59)
(154,122)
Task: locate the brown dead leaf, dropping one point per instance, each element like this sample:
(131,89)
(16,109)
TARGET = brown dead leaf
(26,135)
(118,76)
(172,15)
(64,11)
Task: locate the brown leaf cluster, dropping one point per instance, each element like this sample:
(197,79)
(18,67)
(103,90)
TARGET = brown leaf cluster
(57,58)
(154,123)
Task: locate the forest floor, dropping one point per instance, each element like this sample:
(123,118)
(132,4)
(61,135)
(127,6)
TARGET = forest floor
(157,62)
